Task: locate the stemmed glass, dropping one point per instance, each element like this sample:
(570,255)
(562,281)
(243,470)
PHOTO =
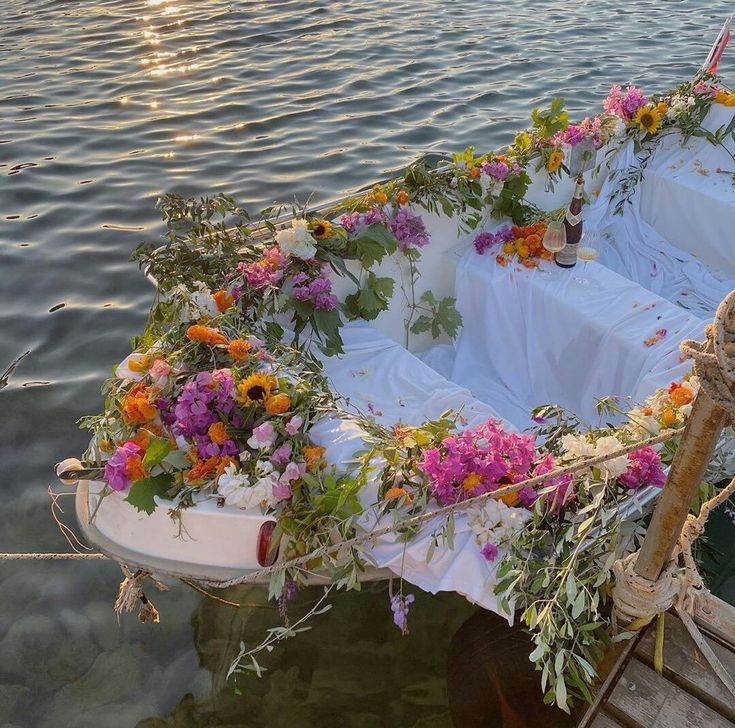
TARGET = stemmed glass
(555,237)
(589,249)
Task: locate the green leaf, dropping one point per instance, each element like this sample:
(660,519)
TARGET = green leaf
(157,450)
(142,492)
(448,317)
(372,244)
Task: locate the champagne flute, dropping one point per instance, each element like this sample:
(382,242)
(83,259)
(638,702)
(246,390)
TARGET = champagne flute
(589,249)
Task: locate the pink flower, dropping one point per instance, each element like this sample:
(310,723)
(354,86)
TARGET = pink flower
(282,454)
(644,468)
(294,425)
(490,551)
(263,437)
(159,371)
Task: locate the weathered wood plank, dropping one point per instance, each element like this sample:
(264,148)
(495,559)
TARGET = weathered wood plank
(717,617)
(604,721)
(685,665)
(644,699)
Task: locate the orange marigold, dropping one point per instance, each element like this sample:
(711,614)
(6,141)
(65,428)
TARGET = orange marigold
(474,172)
(393,493)
(137,406)
(223,300)
(205,334)
(277,404)
(134,468)
(681,396)
(142,439)
(203,469)
(380,197)
(402,197)
(313,457)
(217,433)
(668,417)
(239,349)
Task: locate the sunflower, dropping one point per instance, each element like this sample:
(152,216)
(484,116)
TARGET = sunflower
(321,229)
(555,159)
(648,118)
(256,388)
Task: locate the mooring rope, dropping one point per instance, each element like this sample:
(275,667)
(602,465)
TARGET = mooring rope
(443,511)
(70,556)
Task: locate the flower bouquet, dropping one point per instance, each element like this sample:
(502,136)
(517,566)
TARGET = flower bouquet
(210,411)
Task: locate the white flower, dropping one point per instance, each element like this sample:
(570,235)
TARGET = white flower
(297,240)
(123,370)
(495,522)
(616,466)
(237,491)
(577,446)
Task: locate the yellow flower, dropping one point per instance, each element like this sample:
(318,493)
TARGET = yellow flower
(662,107)
(510,499)
(509,248)
(555,159)
(255,389)
(379,196)
(472,481)
(727,98)
(648,118)
(321,229)
(668,417)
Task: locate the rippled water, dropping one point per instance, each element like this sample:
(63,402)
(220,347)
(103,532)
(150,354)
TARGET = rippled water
(105,105)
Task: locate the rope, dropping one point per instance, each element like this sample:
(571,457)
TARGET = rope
(638,600)
(714,358)
(444,511)
(52,557)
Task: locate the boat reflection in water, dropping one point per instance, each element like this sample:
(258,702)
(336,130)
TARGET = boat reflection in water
(458,666)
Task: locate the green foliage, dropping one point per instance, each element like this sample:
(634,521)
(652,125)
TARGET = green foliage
(142,493)
(552,121)
(371,245)
(441,316)
(371,299)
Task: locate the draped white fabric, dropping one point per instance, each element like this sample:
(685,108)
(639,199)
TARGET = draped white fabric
(378,375)
(533,337)
(675,236)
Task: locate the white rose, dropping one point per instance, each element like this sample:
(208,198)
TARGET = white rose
(616,466)
(297,240)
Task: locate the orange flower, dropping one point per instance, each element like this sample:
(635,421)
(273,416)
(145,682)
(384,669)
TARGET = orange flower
(203,469)
(533,242)
(139,365)
(668,417)
(277,404)
(205,334)
(523,251)
(379,196)
(313,457)
(142,439)
(681,396)
(223,300)
(510,499)
(137,407)
(529,263)
(217,433)
(647,411)
(239,349)
(402,197)
(501,158)
(134,468)
(546,254)
(393,493)
(223,463)
(501,260)
(474,172)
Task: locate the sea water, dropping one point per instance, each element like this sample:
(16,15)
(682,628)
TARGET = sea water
(106,105)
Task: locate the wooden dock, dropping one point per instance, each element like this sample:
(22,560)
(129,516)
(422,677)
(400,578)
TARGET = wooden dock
(688,694)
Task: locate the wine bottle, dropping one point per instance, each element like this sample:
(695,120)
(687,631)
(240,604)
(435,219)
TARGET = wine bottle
(567,256)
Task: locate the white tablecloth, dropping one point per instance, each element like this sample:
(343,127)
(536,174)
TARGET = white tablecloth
(675,235)
(376,374)
(532,337)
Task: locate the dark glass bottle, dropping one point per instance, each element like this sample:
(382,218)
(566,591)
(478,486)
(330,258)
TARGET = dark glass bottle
(567,257)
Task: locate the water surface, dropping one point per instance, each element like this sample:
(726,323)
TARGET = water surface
(104,106)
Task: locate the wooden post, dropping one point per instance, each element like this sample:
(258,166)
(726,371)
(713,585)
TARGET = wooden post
(687,470)
(698,441)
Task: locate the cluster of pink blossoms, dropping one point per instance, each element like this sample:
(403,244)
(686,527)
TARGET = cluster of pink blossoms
(624,105)
(484,459)
(264,272)
(317,290)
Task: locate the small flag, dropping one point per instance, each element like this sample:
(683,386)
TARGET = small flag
(718,48)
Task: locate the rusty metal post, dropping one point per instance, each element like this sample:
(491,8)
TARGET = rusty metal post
(687,470)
